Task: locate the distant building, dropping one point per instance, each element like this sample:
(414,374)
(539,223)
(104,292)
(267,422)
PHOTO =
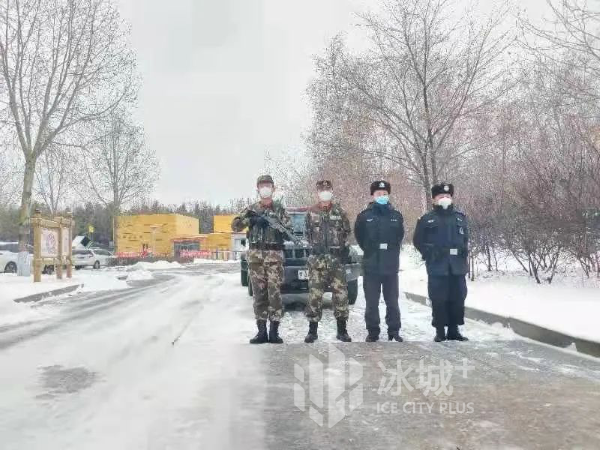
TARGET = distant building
(153,233)
(223,243)
(222,224)
(177,235)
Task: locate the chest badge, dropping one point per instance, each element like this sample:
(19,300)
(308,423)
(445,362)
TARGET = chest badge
(461,230)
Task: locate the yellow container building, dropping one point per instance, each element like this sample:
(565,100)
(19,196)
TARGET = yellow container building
(153,233)
(222,224)
(218,241)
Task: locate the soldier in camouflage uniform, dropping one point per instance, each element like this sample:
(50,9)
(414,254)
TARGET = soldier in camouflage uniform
(265,259)
(327,231)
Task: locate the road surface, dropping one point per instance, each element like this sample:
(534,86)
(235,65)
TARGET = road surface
(99,371)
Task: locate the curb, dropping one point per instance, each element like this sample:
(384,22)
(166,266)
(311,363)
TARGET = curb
(524,329)
(43,295)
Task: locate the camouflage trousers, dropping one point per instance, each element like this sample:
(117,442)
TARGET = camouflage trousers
(322,271)
(266,275)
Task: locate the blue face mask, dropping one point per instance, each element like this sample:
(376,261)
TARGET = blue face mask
(383,200)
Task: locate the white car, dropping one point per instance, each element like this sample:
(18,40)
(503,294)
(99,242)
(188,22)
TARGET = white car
(9,252)
(8,257)
(91,257)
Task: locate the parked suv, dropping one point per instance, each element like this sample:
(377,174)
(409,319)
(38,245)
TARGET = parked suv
(91,257)
(296,258)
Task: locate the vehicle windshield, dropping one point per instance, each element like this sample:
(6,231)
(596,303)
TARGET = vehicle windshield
(298,222)
(9,247)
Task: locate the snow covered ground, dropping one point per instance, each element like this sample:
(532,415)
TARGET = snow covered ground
(570,305)
(416,323)
(200,261)
(157,265)
(99,370)
(13,287)
(96,370)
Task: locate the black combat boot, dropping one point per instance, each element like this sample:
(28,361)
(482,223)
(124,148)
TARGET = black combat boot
(261,337)
(454,334)
(274,333)
(395,336)
(342,333)
(312,335)
(373,336)
(440,334)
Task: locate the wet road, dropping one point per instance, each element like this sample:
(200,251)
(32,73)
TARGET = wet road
(100,371)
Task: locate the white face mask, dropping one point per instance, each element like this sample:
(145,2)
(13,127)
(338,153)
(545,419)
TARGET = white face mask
(325,196)
(444,202)
(265,192)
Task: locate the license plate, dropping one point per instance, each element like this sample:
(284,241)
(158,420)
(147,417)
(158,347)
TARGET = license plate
(303,274)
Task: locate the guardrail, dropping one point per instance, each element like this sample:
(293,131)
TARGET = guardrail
(183,256)
(215,255)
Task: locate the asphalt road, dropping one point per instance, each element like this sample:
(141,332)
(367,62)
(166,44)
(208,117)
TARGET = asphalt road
(101,372)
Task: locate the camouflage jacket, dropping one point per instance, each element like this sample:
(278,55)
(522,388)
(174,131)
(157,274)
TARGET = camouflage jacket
(327,230)
(258,235)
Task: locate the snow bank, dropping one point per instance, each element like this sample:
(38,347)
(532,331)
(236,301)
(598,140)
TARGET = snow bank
(13,287)
(199,261)
(140,275)
(158,265)
(570,305)
(103,282)
(564,308)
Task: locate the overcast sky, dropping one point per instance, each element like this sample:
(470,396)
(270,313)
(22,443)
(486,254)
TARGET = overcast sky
(224,82)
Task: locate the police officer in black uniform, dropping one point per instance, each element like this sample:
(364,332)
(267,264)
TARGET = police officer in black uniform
(379,230)
(442,238)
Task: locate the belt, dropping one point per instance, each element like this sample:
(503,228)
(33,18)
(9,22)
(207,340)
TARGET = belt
(260,246)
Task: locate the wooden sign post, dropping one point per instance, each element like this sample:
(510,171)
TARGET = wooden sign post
(52,245)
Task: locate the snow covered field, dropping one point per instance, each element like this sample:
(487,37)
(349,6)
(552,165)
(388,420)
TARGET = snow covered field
(570,305)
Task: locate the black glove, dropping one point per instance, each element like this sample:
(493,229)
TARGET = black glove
(258,221)
(262,222)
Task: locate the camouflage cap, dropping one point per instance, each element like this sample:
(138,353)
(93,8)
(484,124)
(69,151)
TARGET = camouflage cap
(324,184)
(265,179)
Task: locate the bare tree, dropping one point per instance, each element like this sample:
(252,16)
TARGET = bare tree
(64,63)
(570,38)
(54,178)
(425,79)
(7,176)
(118,166)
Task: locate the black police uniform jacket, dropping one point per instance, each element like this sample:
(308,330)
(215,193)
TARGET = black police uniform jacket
(379,231)
(442,238)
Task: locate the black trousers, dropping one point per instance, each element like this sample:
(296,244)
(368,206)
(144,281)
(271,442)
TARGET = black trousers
(447,295)
(372,285)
